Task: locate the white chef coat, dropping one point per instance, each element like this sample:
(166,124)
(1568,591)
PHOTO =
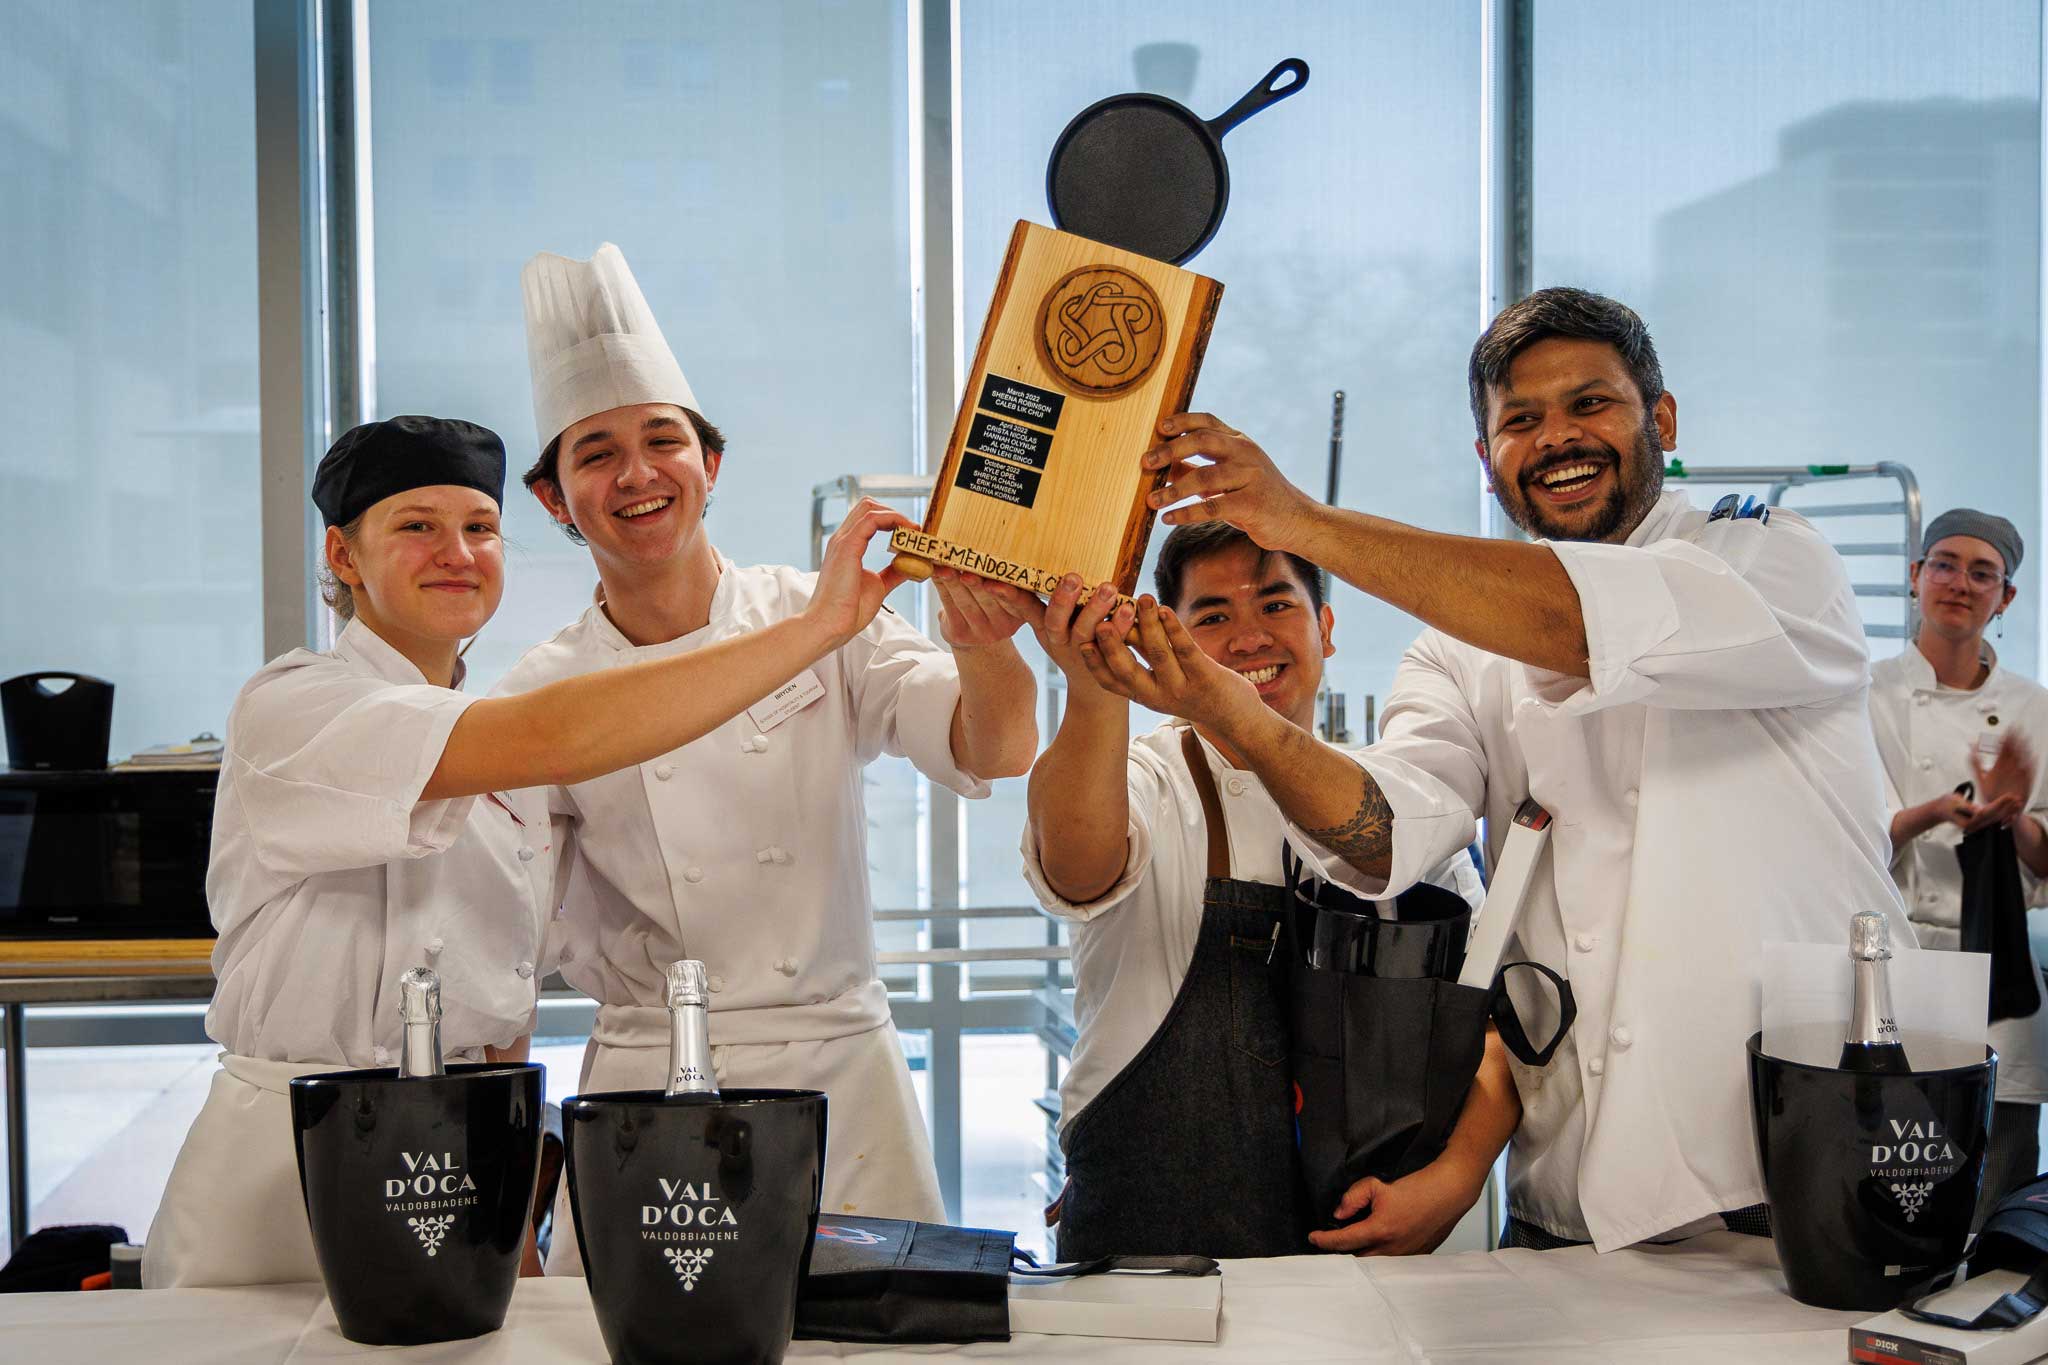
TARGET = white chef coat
(328,878)
(1129,966)
(1714,787)
(1925,735)
(747,849)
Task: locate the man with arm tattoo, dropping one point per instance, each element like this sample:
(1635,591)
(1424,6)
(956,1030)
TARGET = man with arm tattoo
(1685,692)
(1168,854)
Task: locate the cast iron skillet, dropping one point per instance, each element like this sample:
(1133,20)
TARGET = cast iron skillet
(1143,173)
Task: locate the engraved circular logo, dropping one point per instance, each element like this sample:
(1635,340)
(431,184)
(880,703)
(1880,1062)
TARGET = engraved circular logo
(1100,330)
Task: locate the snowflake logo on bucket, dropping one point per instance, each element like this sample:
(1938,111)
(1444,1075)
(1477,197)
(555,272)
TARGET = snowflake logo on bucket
(688,1263)
(432,1229)
(1912,1195)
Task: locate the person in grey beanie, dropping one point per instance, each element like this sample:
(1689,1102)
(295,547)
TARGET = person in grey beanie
(1956,731)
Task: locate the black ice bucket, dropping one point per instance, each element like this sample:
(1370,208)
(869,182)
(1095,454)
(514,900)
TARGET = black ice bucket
(419,1193)
(1872,1179)
(696,1215)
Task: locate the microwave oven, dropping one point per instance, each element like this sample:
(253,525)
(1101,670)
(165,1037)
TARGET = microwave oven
(111,854)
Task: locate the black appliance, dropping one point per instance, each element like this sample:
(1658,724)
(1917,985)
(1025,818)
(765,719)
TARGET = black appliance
(109,854)
(56,721)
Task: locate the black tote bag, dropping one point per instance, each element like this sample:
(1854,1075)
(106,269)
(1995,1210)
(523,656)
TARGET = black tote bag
(891,1280)
(1382,1066)
(1995,920)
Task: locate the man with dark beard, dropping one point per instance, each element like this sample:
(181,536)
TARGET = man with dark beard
(1684,692)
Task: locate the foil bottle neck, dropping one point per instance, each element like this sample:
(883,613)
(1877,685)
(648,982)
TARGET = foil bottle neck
(689,1031)
(1870,1016)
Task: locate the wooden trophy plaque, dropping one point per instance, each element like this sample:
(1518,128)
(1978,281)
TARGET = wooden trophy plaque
(1085,349)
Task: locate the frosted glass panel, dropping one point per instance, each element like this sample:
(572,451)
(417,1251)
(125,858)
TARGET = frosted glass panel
(1349,255)
(748,159)
(129,530)
(1829,216)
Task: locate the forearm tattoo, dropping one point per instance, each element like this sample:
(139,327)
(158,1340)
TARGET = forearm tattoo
(1369,834)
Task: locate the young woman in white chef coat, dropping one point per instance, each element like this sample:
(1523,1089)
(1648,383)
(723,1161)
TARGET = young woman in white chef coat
(369,818)
(1947,712)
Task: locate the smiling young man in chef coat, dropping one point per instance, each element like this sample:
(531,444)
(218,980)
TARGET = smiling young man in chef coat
(1685,693)
(747,848)
(1170,852)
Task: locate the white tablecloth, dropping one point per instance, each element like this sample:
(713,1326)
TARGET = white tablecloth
(1711,1300)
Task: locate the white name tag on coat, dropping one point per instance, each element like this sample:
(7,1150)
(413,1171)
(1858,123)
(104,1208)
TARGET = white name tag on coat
(785,701)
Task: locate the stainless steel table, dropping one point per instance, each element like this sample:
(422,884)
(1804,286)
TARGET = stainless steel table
(80,973)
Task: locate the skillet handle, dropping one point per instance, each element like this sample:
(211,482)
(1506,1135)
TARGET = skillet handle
(1261,95)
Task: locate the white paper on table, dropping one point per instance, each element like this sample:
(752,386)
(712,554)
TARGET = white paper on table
(1940,999)
(1120,1304)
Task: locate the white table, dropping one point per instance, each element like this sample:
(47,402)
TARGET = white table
(1713,1300)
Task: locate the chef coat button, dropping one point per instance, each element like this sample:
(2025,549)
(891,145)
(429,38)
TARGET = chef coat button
(783,857)
(1920,699)
(746,746)
(760,744)
(693,875)
(664,772)
(764,855)
(1235,786)
(1621,1036)
(525,970)
(1925,764)
(1598,1066)
(1631,796)
(1584,943)
(717,983)
(434,947)
(381,1055)
(787,966)
(525,855)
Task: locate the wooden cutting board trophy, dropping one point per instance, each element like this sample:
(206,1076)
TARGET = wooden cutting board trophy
(1085,349)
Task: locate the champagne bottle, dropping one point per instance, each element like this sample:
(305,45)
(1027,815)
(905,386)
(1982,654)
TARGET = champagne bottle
(419,1003)
(689,1031)
(1873,1042)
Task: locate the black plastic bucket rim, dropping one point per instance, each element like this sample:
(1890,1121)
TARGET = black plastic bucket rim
(1756,1049)
(736,1098)
(373,1074)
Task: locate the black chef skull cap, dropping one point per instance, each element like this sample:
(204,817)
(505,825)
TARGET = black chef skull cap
(371,462)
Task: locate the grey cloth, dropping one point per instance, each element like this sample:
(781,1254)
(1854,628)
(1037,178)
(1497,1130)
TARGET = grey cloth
(1994,531)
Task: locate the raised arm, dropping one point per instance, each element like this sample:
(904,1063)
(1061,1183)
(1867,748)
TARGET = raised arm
(583,727)
(1319,788)
(1748,616)
(995,724)
(1079,799)
(1506,597)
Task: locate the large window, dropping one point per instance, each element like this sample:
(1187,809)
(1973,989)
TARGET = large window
(1350,252)
(1829,215)
(129,529)
(750,162)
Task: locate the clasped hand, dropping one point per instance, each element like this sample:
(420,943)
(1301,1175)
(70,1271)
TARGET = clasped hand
(1141,652)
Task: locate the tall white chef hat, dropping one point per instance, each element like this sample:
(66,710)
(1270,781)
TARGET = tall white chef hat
(592,342)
